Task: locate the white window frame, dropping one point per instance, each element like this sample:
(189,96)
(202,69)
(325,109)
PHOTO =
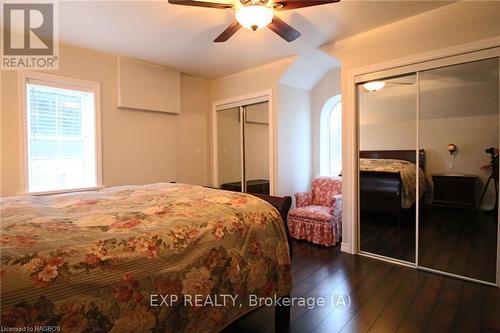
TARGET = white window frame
(62,82)
(324,142)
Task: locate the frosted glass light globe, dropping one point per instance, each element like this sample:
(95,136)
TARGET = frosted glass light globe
(254,16)
(374,85)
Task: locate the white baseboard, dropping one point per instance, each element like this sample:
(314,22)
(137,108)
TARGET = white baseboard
(344,247)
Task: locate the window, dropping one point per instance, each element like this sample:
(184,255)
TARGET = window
(61,134)
(335,144)
(331,137)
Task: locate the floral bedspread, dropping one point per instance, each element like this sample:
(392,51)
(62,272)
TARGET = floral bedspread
(406,169)
(93,261)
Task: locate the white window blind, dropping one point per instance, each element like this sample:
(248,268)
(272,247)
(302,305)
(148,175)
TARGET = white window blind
(61,138)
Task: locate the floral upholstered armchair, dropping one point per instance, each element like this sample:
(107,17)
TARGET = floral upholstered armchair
(318,215)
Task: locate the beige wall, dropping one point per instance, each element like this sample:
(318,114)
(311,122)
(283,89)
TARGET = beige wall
(193,148)
(250,81)
(294,140)
(138,147)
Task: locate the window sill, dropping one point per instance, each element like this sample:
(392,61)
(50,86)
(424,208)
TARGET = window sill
(83,189)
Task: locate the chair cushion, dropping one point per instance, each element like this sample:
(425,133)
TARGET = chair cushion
(323,190)
(317,213)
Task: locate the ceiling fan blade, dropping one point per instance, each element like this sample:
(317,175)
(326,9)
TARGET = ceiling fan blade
(294,4)
(283,30)
(226,34)
(194,3)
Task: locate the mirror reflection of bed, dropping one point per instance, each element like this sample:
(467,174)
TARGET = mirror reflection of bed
(387,183)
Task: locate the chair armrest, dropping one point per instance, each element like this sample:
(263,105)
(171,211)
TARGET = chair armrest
(338,187)
(336,207)
(303,199)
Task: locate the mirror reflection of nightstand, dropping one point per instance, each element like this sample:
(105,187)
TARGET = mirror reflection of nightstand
(454,190)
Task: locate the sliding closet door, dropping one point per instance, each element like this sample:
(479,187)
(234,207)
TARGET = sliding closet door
(387,114)
(256,134)
(229,149)
(459,131)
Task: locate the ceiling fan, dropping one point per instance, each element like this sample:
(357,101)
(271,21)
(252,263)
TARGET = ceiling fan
(256,14)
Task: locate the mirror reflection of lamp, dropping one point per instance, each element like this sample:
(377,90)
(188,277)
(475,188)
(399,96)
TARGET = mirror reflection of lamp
(451,149)
(374,86)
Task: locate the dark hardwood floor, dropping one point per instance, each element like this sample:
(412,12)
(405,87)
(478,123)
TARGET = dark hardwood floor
(384,235)
(383,298)
(457,241)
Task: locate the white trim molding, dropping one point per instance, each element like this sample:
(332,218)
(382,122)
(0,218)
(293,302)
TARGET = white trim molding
(62,82)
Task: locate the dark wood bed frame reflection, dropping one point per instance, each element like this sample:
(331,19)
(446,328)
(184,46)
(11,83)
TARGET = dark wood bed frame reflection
(380,192)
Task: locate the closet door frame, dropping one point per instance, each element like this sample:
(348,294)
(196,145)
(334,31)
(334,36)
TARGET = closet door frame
(240,102)
(481,50)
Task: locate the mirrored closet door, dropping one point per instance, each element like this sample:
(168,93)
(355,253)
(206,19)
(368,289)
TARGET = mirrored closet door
(256,141)
(459,130)
(428,165)
(387,153)
(243,148)
(229,149)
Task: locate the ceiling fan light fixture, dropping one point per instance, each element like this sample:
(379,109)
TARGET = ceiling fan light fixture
(255,16)
(374,85)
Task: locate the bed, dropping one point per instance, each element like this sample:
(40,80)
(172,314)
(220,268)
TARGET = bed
(387,181)
(125,259)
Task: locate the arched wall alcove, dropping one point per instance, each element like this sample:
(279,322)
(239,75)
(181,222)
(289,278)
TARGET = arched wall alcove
(300,89)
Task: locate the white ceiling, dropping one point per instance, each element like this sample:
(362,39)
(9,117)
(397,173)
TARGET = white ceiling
(181,37)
